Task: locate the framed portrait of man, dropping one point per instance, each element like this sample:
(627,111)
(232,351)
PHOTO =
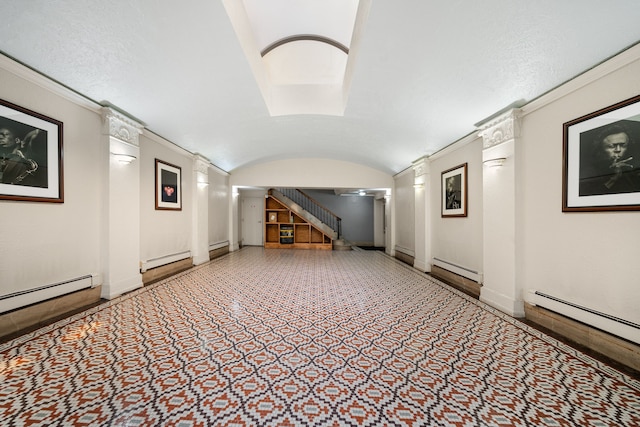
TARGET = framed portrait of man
(454,192)
(601,159)
(30,155)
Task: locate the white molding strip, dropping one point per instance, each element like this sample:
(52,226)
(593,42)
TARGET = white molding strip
(476,276)
(32,296)
(165,143)
(48,84)
(454,146)
(163,260)
(610,65)
(614,325)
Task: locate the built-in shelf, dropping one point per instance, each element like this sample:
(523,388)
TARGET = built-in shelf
(286,229)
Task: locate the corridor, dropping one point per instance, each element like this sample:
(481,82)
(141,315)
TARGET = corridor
(304,338)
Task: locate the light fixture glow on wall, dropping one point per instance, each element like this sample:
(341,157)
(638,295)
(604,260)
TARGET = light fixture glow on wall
(124,158)
(418,185)
(495,163)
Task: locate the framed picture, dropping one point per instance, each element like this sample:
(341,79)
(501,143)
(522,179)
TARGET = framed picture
(168,186)
(601,160)
(454,191)
(30,156)
(273,217)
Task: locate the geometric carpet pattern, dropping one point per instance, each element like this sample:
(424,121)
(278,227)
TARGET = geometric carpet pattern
(304,338)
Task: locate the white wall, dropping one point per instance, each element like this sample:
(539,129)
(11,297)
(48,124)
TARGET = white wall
(586,258)
(163,232)
(404,213)
(44,243)
(590,259)
(310,173)
(219,199)
(356,213)
(458,240)
(47,243)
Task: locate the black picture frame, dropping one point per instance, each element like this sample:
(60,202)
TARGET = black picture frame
(454,192)
(601,159)
(31,155)
(168,180)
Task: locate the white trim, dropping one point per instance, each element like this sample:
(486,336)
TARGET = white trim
(23,299)
(163,260)
(421,265)
(165,143)
(476,276)
(123,286)
(620,329)
(504,303)
(48,84)
(609,66)
(454,146)
(217,170)
(214,246)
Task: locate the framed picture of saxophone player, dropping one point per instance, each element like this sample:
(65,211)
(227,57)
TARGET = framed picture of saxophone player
(454,191)
(601,159)
(168,186)
(30,155)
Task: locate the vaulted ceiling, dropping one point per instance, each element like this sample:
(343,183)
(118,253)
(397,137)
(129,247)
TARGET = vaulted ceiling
(423,74)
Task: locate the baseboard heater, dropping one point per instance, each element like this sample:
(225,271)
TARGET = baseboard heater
(163,260)
(476,276)
(606,322)
(214,246)
(27,297)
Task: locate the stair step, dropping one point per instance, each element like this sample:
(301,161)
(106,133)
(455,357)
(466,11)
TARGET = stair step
(341,245)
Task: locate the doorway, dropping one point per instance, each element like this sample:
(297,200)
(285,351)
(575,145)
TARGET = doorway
(252,227)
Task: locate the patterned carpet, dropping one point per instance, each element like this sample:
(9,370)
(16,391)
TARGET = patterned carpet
(304,338)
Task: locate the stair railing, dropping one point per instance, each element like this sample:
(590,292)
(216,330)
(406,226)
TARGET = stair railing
(314,208)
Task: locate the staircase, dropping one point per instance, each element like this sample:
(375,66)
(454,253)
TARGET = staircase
(314,213)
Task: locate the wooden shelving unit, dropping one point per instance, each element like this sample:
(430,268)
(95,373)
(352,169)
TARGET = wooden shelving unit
(284,229)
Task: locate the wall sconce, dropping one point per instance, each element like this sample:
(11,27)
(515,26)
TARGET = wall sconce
(494,163)
(418,185)
(123,158)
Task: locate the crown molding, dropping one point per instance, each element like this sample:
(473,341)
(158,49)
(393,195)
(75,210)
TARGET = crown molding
(47,83)
(608,66)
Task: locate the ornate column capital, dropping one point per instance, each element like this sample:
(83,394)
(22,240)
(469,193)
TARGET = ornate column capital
(201,164)
(121,127)
(502,128)
(420,167)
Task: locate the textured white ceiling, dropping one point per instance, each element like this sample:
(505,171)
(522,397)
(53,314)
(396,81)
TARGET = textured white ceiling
(426,72)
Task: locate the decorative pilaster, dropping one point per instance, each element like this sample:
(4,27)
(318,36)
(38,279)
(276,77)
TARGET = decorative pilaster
(200,223)
(500,288)
(422,185)
(121,228)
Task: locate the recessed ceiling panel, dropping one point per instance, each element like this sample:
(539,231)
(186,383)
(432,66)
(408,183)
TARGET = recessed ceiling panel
(274,20)
(306,62)
(299,51)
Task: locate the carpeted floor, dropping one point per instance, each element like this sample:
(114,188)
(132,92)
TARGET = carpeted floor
(304,338)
